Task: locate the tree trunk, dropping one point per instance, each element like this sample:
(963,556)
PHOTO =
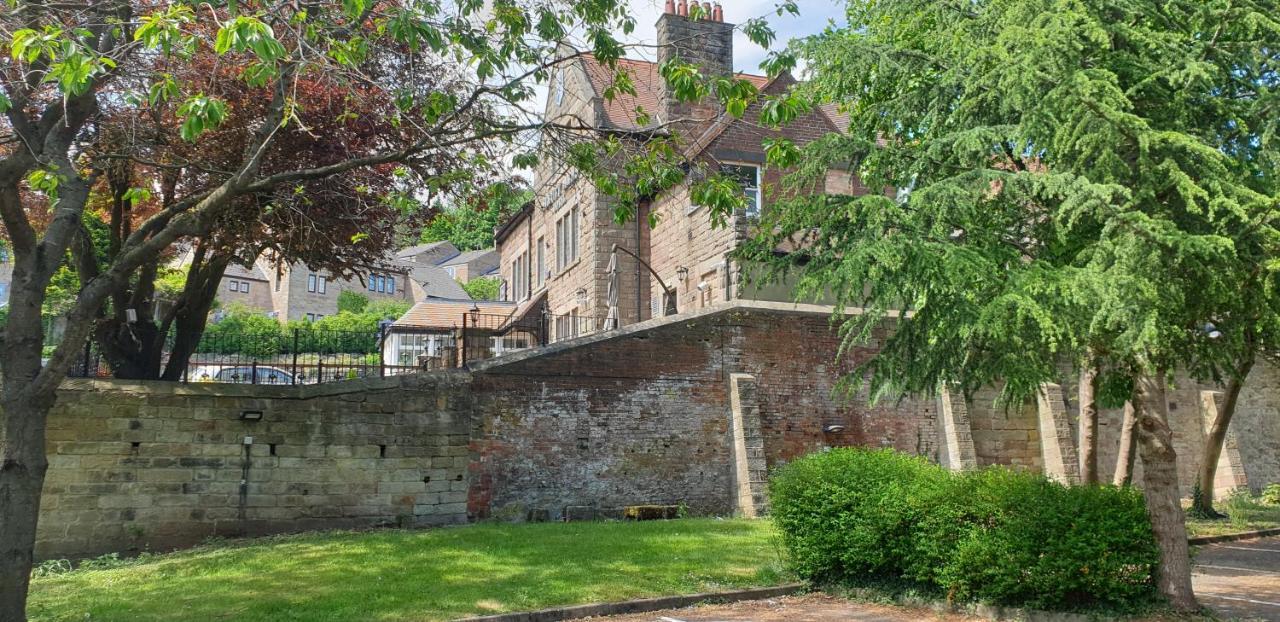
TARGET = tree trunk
(1128,447)
(192,314)
(1088,423)
(21,479)
(1203,501)
(1160,489)
(22,439)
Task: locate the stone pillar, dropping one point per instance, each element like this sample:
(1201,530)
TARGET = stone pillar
(956,432)
(1230,474)
(1057,444)
(750,477)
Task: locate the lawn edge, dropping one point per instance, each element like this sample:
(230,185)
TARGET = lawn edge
(641,605)
(1233,537)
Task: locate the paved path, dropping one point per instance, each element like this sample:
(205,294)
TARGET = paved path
(805,608)
(1240,579)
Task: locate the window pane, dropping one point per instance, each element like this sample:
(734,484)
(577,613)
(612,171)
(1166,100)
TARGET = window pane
(323,282)
(373,282)
(244,286)
(311,282)
(233,286)
(391,285)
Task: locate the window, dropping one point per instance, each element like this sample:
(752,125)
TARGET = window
(520,276)
(233,285)
(311,317)
(567,326)
(540,268)
(453,272)
(321,282)
(560,88)
(311,283)
(391,285)
(567,239)
(244,287)
(748,178)
(373,282)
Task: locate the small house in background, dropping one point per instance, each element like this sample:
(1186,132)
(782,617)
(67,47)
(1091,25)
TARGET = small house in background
(472,264)
(429,334)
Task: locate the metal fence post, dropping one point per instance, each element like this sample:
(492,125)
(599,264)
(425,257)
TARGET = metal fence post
(295,355)
(382,351)
(253,373)
(88,345)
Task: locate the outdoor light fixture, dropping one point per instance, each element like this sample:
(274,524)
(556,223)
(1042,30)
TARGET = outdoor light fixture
(251,415)
(475,313)
(582,295)
(833,428)
(682,273)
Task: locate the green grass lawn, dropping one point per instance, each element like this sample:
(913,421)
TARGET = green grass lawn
(421,575)
(1244,513)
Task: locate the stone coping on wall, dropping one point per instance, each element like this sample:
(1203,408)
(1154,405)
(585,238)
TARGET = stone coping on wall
(721,308)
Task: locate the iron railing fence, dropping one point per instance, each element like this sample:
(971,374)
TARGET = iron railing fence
(301,355)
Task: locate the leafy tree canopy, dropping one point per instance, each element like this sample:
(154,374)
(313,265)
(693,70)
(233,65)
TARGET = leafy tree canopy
(1097,175)
(470,225)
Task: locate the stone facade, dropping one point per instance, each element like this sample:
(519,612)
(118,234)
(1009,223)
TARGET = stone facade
(685,250)
(690,410)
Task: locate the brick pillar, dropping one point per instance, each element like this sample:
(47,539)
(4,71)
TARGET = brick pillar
(1057,443)
(956,433)
(1230,474)
(749,472)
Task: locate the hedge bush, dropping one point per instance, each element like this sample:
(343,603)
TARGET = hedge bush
(854,516)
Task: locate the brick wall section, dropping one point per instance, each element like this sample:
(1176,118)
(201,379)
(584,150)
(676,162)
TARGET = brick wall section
(157,465)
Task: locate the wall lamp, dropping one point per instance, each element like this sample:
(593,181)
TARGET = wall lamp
(251,415)
(682,273)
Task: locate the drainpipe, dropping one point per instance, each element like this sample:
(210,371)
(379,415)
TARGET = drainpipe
(641,213)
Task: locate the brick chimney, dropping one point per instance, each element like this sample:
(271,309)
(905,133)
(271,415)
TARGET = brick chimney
(706,42)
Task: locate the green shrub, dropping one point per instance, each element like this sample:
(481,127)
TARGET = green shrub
(844,513)
(856,516)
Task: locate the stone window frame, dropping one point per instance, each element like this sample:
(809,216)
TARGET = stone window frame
(749,212)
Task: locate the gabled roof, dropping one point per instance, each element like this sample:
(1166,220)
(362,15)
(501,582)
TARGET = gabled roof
(620,112)
(468,256)
(435,252)
(448,312)
(435,282)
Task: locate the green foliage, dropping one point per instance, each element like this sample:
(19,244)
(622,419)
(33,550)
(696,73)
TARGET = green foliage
(1271,494)
(170,282)
(352,302)
(249,332)
(471,226)
(1001,536)
(483,288)
(1066,184)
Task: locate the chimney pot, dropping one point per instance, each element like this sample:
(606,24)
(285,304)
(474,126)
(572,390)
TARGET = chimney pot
(706,10)
(717,13)
(683,8)
(670,8)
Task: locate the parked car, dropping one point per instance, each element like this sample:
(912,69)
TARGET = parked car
(241,374)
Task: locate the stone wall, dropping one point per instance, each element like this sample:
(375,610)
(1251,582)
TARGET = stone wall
(156,465)
(689,410)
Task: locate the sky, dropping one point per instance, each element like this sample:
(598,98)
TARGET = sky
(814,16)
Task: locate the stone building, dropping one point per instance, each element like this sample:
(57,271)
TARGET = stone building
(556,253)
(296,292)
